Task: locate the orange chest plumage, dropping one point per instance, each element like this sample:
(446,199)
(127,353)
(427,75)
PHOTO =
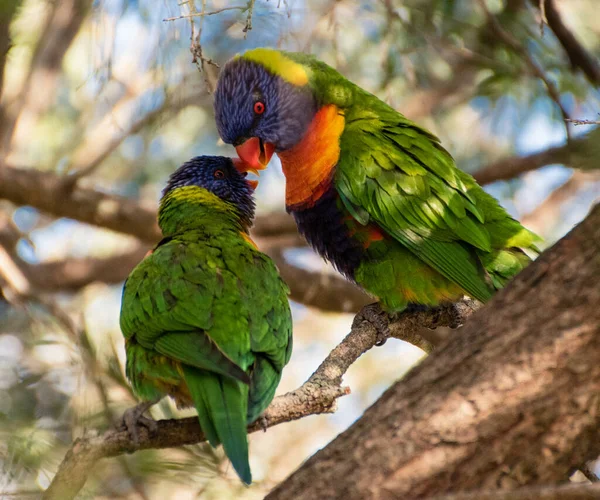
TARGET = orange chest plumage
(309,166)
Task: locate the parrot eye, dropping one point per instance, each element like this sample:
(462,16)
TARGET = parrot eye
(219,174)
(259,107)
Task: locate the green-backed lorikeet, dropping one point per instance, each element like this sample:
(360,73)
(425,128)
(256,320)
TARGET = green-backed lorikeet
(205,316)
(372,192)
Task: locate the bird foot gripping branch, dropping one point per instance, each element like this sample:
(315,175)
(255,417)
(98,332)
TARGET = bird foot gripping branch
(378,318)
(133,419)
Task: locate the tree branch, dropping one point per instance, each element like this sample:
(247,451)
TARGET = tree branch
(582,153)
(326,291)
(241,8)
(577,54)
(511,401)
(316,396)
(576,122)
(588,471)
(549,211)
(100,144)
(579,491)
(64,23)
(46,192)
(8,9)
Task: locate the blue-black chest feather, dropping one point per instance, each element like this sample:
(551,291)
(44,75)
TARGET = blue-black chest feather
(323,227)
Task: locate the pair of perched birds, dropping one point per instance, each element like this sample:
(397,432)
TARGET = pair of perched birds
(206,316)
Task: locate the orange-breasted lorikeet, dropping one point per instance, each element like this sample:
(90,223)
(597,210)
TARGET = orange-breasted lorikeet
(373,193)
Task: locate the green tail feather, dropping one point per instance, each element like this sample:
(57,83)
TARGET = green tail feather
(262,387)
(222,406)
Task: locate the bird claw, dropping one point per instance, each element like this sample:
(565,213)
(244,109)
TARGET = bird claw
(374,315)
(263,422)
(133,418)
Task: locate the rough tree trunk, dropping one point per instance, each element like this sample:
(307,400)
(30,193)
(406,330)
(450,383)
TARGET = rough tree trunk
(512,399)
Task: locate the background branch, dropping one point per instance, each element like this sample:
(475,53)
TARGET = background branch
(62,26)
(576,52)
(8,8)
(580,153)
(58,196)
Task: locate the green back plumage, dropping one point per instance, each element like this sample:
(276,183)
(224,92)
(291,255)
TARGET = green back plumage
(207,320)
(395,174)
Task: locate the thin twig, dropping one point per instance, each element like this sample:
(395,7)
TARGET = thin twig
(204,14)
(248,26)
(582,122)
(578,55)
(317,395)
(588,471)
(202,62)
(543,18)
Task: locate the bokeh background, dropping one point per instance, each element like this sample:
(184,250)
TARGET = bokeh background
(106,95)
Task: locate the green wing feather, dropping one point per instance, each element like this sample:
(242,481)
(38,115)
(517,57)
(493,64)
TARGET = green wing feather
(395,174)
(216,309)
(408,184)
(270,333)
(198,349)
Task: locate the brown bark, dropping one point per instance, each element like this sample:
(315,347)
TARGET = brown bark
(324,290)
(576,491)
(513,400)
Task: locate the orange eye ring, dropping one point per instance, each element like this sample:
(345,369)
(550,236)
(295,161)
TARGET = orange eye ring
(219,174)
(259,107)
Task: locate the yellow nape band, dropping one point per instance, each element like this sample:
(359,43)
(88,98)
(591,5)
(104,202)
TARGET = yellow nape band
(279,64)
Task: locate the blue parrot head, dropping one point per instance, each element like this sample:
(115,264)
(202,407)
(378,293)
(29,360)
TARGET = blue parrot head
(220,176)
(260,111)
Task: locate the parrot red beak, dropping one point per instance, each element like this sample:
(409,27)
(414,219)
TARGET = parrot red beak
(243,168)
(256,153)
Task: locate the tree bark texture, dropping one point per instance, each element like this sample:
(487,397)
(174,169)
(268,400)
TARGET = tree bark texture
(512,400)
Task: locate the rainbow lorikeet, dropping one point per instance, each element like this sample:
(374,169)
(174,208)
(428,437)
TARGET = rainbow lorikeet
(372,192)
(205,316)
